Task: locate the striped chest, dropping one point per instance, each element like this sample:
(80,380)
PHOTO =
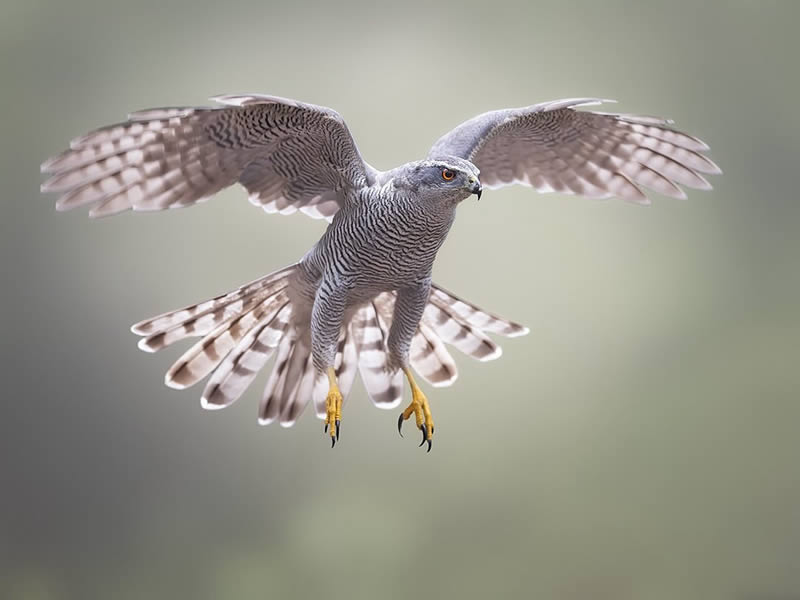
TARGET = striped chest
(383,241)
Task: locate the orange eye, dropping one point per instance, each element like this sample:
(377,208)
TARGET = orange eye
(448,175)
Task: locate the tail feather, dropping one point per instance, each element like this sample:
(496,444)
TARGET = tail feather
(457,332)
(269,409)
(200,325)
(242,329)
(290,405)
(295,405)
(303,383)
(477,317)
(430,358)
(428,355)
(174,318)
(202,358)
(385,389)
(240,367)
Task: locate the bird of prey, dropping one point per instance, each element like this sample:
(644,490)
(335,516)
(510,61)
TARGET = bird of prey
(361,300)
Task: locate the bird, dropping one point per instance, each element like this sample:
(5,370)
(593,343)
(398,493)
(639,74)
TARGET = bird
(362,300)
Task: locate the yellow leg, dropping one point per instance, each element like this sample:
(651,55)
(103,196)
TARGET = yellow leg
(421,410)
(333,407)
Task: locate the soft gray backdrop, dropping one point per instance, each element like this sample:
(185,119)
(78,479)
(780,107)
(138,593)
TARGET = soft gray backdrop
(640,443)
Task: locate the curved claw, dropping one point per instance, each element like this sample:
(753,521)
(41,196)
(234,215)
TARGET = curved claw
(338,428)
(333,441)
(326,428)
(424,435)
(400,425)
(430,443)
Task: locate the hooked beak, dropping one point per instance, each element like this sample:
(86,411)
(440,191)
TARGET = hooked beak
(476,188)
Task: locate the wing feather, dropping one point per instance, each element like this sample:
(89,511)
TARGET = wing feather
(288,155)
(554,147)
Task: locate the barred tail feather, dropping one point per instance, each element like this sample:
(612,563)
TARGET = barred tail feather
(296,403)
(269,408)
(300,383)
(202,358)
(471,314)
(243,329)
(431,359)
(447,320)
(235,374)
(230,302)
(289,404)
(428,355)
(385,389)
(450,320)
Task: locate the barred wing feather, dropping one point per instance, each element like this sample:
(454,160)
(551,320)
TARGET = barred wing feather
(554,147)
(288,155)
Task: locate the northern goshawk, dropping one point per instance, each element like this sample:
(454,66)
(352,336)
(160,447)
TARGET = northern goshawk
(361,300)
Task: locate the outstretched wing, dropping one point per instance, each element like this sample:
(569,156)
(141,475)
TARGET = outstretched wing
(553,147)
(288,155)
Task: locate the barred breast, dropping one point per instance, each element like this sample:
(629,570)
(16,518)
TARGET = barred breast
(382,241)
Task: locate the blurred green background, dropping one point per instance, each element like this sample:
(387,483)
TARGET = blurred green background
(640,443)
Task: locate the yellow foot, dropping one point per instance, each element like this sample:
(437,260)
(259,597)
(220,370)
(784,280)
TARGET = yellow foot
(421,410)
(333,407)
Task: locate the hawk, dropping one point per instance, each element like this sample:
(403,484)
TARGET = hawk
(361,300)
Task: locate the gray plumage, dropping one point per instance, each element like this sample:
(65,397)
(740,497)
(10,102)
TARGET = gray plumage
(362,300)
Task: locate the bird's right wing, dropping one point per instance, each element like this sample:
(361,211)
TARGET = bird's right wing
(288,155)
(554,147)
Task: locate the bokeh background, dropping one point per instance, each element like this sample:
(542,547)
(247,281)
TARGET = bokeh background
(640,443)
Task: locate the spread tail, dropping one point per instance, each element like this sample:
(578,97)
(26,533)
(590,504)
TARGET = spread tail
(241,330)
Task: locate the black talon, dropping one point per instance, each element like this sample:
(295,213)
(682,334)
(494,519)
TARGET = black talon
(338,428)
(430,444)
(333,441)
(424,435)
(326,428)
(400,425)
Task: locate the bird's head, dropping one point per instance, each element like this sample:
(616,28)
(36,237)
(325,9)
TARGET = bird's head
(440,182)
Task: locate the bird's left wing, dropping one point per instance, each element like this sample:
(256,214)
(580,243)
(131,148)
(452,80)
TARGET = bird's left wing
(554,147)
(288,155)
